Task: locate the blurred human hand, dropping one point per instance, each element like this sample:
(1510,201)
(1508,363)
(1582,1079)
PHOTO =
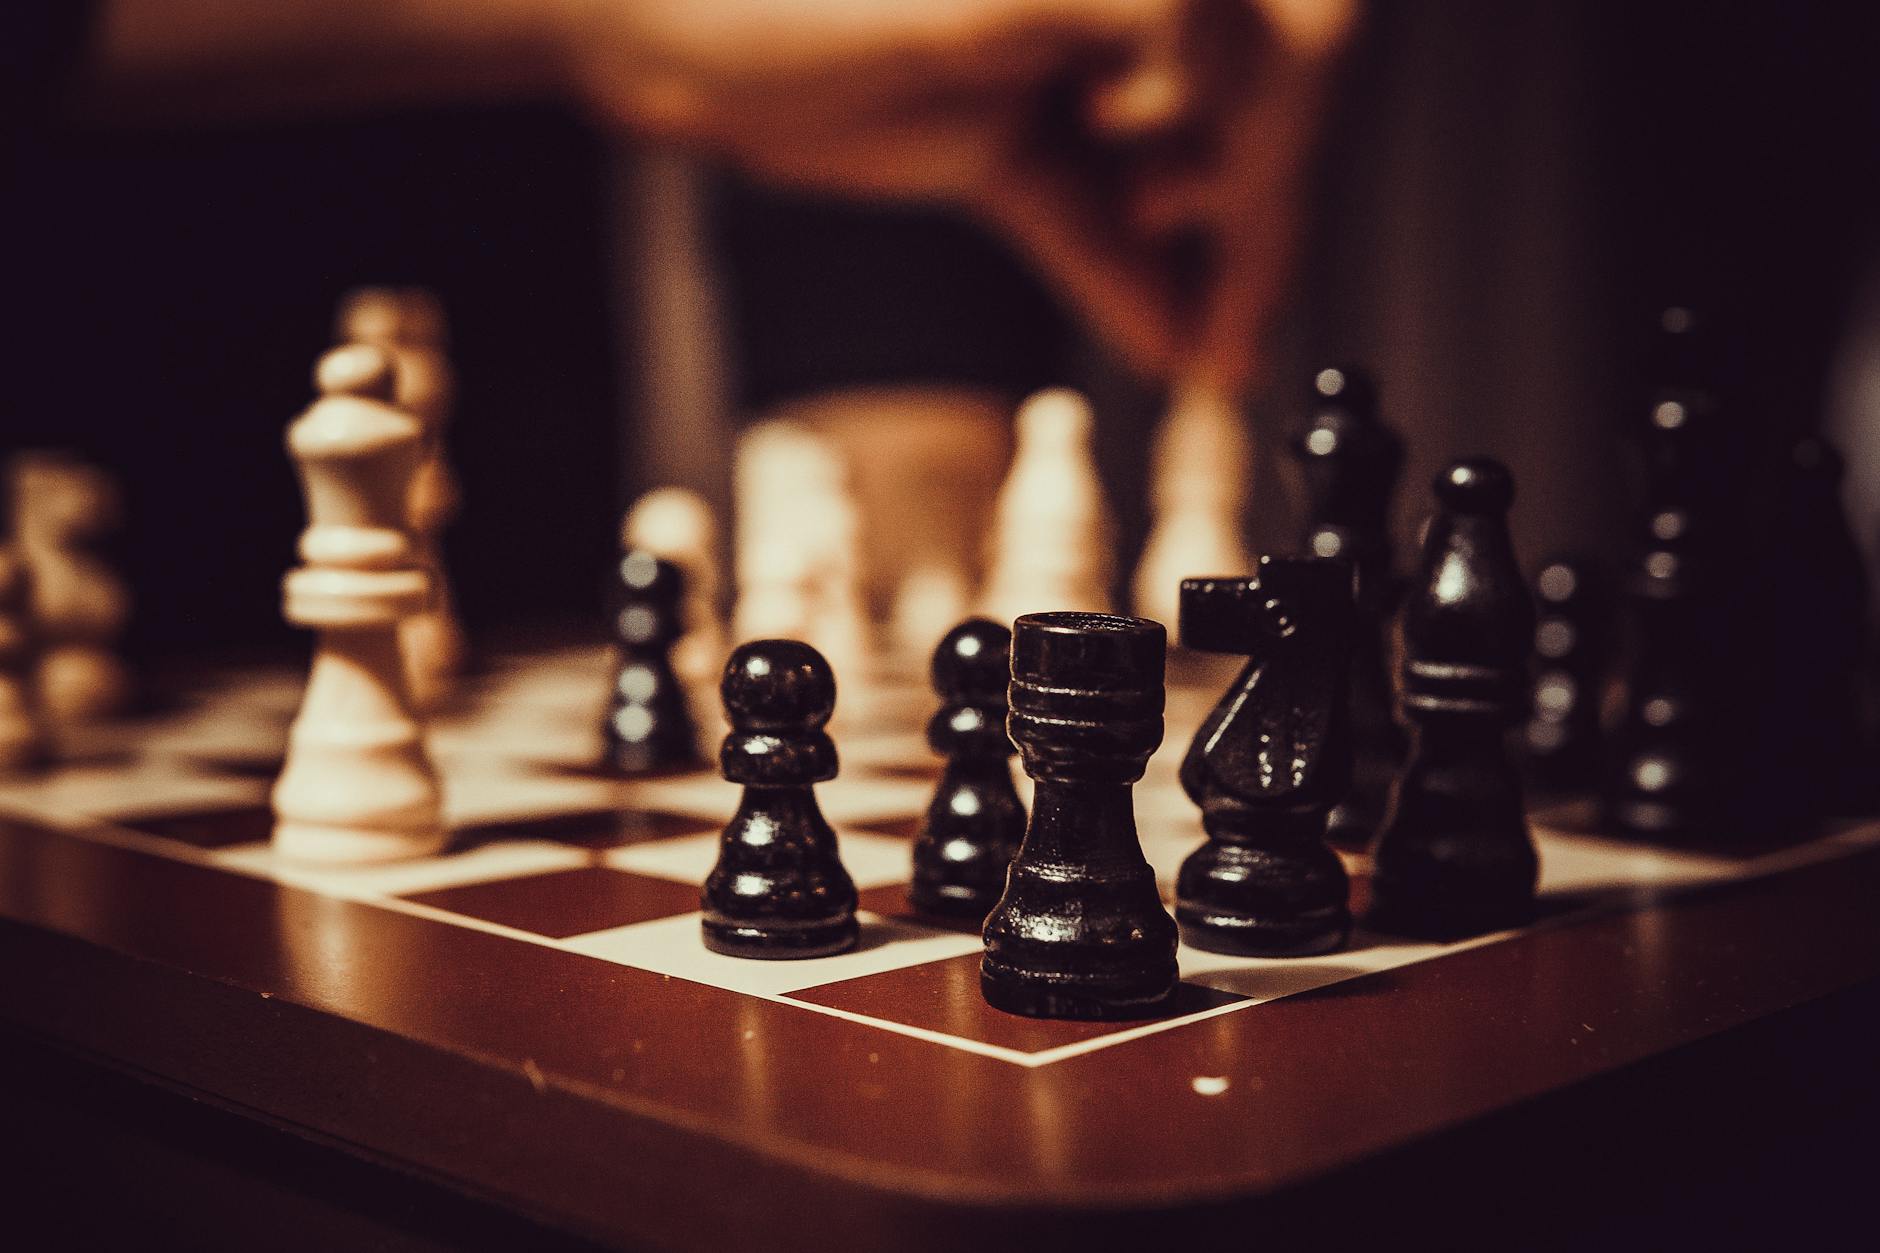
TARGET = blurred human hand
(945,101)
(1106,138)
(1101,136)
(1219,116)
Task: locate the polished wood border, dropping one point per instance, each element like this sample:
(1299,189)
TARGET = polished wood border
(611,1100)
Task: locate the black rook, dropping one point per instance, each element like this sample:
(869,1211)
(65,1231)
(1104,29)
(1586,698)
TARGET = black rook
(1080,931)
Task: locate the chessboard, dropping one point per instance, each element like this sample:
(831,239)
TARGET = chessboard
(532,1017)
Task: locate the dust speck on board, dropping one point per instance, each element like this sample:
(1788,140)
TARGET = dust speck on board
(533,1074)
(749,1034)
(1209,1085)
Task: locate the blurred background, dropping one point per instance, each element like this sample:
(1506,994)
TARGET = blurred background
(1503,197)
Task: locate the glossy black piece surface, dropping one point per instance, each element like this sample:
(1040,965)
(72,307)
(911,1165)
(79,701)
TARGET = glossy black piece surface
(975,821)
(779,889)
(1561,740)
(1080,931)
(1455,857)
(1270,761)
(648,728)
(1350,461)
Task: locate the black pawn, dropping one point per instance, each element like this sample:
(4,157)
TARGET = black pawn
(1562,739)
(1454,856)
(975,823)
(1270,761)
(1665,780)
(648,728)
(779,889)
(1080,931)
(1350,462)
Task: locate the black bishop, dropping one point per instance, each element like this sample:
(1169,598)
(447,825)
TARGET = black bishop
(1454,856)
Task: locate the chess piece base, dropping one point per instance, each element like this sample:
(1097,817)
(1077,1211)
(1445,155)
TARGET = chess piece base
(781,939)
(1083,997)
(1305,935)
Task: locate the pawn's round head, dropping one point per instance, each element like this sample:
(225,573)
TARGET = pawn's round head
(1476,485)
(1345,387)
(973,663)
(777,685)
(649,596)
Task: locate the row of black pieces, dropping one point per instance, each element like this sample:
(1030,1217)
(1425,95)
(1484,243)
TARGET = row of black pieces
(1742,648)
(1073,923)
(1453,855)
(1076,928)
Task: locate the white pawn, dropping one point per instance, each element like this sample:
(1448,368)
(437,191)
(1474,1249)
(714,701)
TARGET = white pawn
(1051,537)
(358,786)
(1198,492)
(677,524)
(61,508)
(798,562)
(408,324)
(771,562)
(930,600)
(23,737)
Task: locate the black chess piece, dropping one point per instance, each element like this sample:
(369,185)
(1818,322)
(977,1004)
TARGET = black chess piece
(1561,740)
(779,889)
(975,822)
(1080,931)
(1667,773)
(1665,781)
(1270,761)
(648,728)
(1350,462)
(1454,856)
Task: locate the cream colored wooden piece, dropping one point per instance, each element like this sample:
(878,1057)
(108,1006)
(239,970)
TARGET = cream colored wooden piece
(1198,494)
(358,786)
(62,507)
(797,544)
(1051,545)
(24,741)
(409,325)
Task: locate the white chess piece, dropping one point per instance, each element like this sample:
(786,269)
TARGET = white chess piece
(1051,538)
(61,507)
(408,324)
(797,550)
(23,736)
(358,785)
(677,524)
(931,600)
(1198,491)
